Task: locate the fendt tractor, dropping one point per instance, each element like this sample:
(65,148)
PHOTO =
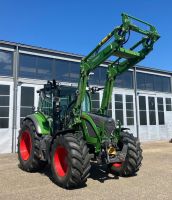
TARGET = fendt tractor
(66,135)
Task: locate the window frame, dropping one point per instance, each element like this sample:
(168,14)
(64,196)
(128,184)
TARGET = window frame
(22,106)
(157,82)
(143,110)
(131,109)
(152,110)
(168,105)
(6,106)
(10,74)
(159,106)
(119,101)
(95,100)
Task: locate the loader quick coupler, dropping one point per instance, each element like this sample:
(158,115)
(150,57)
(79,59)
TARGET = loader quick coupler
(108,151)
(119,156)
(110,154)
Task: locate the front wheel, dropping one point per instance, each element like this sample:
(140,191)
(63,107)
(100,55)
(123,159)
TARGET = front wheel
(70,160)
(133,158)
(28,147)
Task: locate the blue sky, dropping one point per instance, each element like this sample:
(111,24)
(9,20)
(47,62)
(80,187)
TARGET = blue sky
(77,26)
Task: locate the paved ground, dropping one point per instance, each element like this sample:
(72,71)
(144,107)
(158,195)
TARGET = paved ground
(154,180)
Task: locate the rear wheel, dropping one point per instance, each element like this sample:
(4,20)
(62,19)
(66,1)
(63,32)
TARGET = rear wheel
(28,147)
(133,158)
(70,161)
(140,157)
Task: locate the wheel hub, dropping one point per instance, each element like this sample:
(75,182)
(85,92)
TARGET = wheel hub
(61,161)
(117,165)
(25,145)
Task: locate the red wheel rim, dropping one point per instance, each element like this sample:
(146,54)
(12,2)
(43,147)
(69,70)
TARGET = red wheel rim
(25,145)
(60,161)
(117,165)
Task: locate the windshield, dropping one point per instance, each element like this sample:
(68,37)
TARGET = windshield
(67,97)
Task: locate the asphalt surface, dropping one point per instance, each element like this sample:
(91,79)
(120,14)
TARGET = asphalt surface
(153,181)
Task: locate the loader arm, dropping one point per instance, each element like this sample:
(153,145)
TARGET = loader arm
(113,45)
(116,68)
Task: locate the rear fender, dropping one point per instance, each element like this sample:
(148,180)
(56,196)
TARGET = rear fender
(41,123)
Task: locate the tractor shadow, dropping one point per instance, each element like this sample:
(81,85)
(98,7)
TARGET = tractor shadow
(100,173)
(47,172)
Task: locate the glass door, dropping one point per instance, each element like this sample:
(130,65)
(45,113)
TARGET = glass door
(27,101)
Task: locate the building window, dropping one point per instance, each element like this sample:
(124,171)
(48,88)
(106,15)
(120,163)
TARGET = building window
(6,63)
(103,74)
(67,71)
(119,108)
(152,114)
(142,110)
(36,67)
(94,77)
(153,82)
(27,66)
(98,77)
(27,101)
(109,111)
(62,70)
(129,110)
(95,101)
(74,71)
(44,67)
(4,105)
(141,81)
(166,84)
(160,110)
(125,80)
(168,104)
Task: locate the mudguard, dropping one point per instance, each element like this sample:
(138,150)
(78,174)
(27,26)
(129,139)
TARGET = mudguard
(41,123)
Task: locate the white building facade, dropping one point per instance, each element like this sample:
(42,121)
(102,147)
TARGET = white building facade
(141,100)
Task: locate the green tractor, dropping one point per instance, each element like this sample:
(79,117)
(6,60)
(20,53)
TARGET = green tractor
(63,131)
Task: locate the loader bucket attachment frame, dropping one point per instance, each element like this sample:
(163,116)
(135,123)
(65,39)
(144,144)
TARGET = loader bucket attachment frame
(113,45)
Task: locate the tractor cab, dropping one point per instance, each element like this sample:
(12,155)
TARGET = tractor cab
(57,101)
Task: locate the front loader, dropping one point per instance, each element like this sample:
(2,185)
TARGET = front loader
(63,131)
